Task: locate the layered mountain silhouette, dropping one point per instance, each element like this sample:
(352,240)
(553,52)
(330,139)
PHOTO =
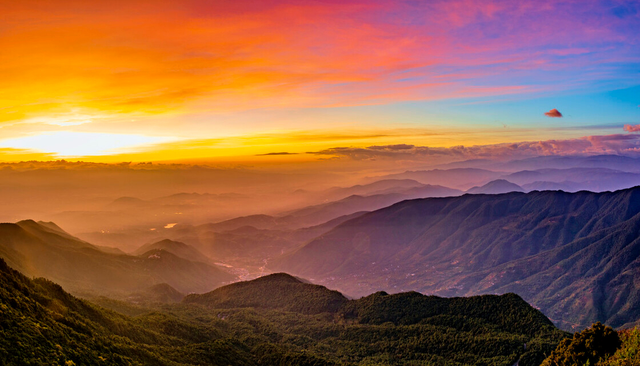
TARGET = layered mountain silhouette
(496,187)
(593,175)
(372,197)
(45,250)
(574,255)
(384,186)
(176,248)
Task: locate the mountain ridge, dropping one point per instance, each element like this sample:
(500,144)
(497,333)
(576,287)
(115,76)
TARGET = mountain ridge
(451,246)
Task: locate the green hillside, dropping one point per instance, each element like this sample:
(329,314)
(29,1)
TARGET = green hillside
(42,324)
(277,291)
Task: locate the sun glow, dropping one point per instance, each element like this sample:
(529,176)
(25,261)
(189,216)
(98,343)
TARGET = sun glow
(76,144)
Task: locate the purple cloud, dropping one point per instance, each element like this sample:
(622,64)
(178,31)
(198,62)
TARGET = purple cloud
(588,145)
(632,128)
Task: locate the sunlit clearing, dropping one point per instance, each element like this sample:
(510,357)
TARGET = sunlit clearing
(74,144)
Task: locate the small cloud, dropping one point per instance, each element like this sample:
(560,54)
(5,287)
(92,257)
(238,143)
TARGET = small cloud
(553,113)
(277,153)
(398,147)
(632,128)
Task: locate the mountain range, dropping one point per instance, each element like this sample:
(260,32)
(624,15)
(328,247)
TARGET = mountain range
(574,255)
(42,249)
(238,325)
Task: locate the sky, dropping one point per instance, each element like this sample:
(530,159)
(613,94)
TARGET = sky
(271,81)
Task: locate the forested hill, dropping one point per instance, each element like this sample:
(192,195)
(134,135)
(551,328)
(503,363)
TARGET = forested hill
(42,324)
(573,255)
(277,291)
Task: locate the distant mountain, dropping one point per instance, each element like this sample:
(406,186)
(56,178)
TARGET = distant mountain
(177,248)
(383,186)
(246,247)
(315,215)
(616,162)
(249,241)
(591,179)
(127,203)
(496,187)
(588,173)
(277,291)
(256,221)
(459,178)
(184,275)
(566,186)
(574,255)
(42,250)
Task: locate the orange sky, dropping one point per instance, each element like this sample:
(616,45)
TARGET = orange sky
(162,80)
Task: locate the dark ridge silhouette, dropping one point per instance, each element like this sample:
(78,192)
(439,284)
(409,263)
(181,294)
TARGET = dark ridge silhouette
(496,187)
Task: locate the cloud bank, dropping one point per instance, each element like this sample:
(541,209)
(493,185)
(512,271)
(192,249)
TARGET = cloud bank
(632,128)
(588,145)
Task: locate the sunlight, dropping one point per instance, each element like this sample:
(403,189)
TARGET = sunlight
(76,144)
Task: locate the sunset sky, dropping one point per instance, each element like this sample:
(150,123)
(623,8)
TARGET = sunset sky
(156,80)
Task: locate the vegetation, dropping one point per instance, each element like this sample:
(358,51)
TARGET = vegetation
(42,324)
(585,348)
(629,352)
(276,291)
(598,346)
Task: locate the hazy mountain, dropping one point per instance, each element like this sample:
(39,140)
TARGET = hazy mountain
(460,178)
(315,215)
(43,250)
(575,256)
(177,248)
(566,186)
(588,173)
(184,275)
(496,187)
(128,203)
(245,248)
(616,162)
(590,179)
(275,320)
(378,187)
(256,221)
(318,214)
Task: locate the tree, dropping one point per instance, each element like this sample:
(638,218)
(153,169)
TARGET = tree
(586,347)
